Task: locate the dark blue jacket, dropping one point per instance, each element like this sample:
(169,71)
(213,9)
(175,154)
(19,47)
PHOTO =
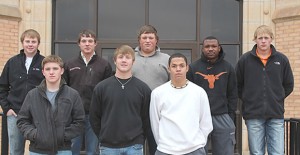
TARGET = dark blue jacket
(51,130)
(264,88)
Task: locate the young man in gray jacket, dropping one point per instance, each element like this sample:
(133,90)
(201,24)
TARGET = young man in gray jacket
(52,114)
(151,65)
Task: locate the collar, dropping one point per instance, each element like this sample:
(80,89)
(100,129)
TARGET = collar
(84,58)
(157,50)
(260,57)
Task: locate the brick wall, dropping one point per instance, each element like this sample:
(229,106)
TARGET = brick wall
(288,41)
(9,38)
(9,32)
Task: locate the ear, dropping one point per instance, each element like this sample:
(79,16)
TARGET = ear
(43,72)
(62,71)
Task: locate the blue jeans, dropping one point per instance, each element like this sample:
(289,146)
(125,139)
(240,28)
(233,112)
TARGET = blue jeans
(262,132)
(15,137)
(65,152)
(91,140)
(136,149)
(200,151)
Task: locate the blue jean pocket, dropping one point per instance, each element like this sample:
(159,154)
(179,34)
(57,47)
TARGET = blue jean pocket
(138,146)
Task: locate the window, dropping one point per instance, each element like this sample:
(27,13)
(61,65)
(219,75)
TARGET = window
(181,25)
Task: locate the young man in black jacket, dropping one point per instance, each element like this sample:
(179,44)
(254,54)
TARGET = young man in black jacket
(217,77)
(20,74)
(265,79)
(52,114)
(83,73)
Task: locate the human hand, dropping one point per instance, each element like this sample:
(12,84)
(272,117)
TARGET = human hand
(11,112)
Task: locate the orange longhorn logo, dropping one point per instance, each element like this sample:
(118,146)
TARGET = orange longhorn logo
(211,78)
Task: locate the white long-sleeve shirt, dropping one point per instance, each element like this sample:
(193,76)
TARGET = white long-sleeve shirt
(180,118)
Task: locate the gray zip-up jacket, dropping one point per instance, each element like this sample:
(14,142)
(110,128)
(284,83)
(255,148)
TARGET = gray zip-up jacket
(51,131)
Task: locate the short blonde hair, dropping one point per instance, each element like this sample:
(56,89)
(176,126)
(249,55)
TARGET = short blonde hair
(31,33)
(124,49)
(263,29)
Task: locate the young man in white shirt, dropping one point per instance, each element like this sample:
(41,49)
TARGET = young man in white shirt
(182,107)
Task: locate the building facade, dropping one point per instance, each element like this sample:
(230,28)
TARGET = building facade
(282,15)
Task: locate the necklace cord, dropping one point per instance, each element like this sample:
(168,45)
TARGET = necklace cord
(123,84)
(186,83)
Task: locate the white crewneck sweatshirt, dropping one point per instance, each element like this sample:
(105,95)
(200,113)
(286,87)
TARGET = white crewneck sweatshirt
(180,118)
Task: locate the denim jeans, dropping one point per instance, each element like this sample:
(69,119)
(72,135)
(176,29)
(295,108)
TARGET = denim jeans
(15,138)
(200,151)
(262,132)
(91,140)
(136,149)
(65,152)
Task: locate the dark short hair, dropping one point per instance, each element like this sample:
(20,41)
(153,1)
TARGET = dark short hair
(147,29)
(211,38)
(87,33)
(177,55)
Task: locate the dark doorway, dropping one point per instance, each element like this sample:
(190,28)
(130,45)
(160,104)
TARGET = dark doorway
(181,25)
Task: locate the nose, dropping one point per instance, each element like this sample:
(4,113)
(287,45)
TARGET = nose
(51,71)
(30,43)
(123,59)
(210,47)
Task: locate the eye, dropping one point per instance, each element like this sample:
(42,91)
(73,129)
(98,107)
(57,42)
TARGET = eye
(55,68)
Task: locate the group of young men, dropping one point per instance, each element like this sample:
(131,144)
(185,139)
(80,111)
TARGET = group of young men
(179,108)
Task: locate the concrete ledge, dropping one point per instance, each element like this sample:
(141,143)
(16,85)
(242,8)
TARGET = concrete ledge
(8,12)
(286,14)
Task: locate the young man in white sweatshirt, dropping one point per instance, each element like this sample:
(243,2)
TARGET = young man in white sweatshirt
(182,107)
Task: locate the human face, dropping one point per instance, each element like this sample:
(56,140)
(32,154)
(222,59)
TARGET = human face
(178,69)
(148,43)
(263,42)
(87,45)
(30,46)
(211,49)
(124,63)
(52,72)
